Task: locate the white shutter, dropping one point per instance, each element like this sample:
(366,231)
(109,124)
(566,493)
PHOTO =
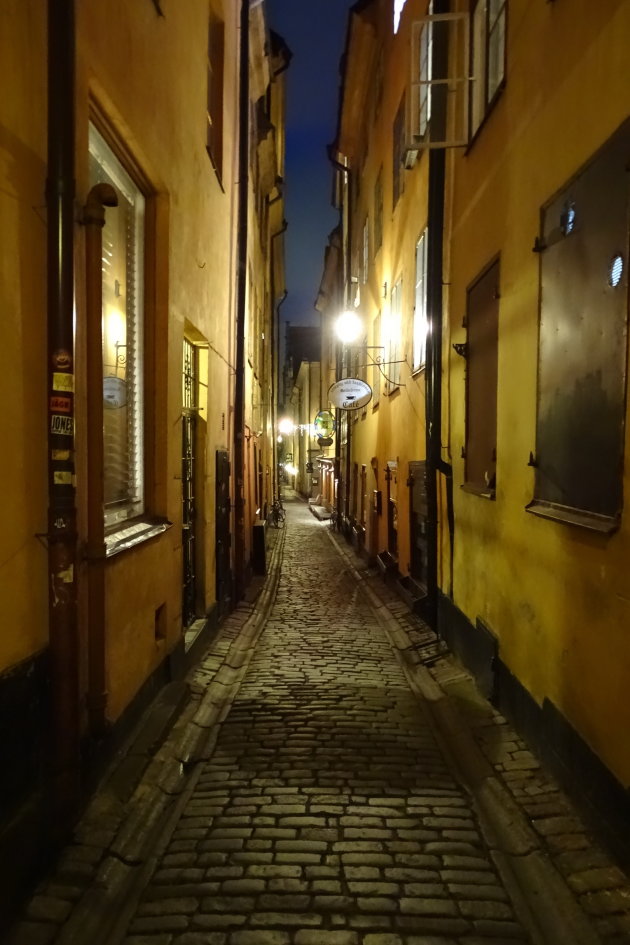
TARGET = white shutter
(423,88)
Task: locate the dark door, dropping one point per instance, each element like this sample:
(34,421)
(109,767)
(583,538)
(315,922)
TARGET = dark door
(223,538)
(418,521)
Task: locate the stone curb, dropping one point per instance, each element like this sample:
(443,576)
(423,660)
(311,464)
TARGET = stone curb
(541,896)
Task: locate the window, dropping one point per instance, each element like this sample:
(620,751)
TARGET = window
(420,304)
(582,344)
(378,211)
(214,138)
(398,151)
(488,56)
(394,346)
(123,341)
(482,317)
(365,262)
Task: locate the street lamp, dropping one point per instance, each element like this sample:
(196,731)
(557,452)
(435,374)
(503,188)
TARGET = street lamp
(348,327)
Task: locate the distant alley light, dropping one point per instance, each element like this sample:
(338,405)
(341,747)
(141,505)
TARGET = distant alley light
(348,327)
(286,426)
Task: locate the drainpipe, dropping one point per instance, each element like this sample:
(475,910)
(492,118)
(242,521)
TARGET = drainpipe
(434,461)
(345,276)
(62,515)
(241,292)
(93,218)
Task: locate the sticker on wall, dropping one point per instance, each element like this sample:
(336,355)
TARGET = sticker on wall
(62,360)
(63,382)
(64,426)
(60,404)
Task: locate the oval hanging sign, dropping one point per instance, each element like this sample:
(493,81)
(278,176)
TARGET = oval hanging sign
(324,424)
(350,393)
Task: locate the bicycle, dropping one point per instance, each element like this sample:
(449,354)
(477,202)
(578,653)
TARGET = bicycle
(276,515)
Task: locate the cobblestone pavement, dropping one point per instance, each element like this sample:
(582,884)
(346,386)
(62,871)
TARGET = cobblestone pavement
(322,788)
(327,813)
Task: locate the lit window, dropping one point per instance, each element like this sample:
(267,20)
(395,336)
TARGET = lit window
(398,8)
(123,343)
(420,309)
(488,52)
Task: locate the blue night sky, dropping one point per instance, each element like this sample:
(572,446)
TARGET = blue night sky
(315,34)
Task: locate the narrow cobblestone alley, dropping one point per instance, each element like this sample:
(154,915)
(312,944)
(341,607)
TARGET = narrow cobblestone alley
(326,811)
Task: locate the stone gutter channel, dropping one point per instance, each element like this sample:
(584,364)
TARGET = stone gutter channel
(94,889)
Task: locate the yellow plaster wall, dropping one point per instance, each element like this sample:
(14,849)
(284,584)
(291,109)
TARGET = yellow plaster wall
(395,429)
(157,109)
(23,471)
(557,597)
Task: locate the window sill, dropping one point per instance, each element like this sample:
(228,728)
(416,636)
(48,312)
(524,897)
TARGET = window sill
(135,533)
(591,521)
(482,491)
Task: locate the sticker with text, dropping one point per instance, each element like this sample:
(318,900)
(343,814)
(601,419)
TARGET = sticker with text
(64,426)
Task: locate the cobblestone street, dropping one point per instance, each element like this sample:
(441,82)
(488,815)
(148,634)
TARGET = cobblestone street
(324,807)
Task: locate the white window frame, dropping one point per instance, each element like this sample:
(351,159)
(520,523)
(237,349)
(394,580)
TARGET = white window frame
(420,319)
(131,503)
(419,133)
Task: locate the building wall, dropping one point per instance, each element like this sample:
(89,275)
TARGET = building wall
(391,429)
(154,115)
(538,607)
(555,595)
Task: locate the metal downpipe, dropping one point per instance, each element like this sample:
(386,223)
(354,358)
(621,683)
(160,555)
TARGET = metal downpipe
(62,514)
(241,296)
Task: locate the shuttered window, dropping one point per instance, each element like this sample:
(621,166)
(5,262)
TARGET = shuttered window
(482,315)
(123,343)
